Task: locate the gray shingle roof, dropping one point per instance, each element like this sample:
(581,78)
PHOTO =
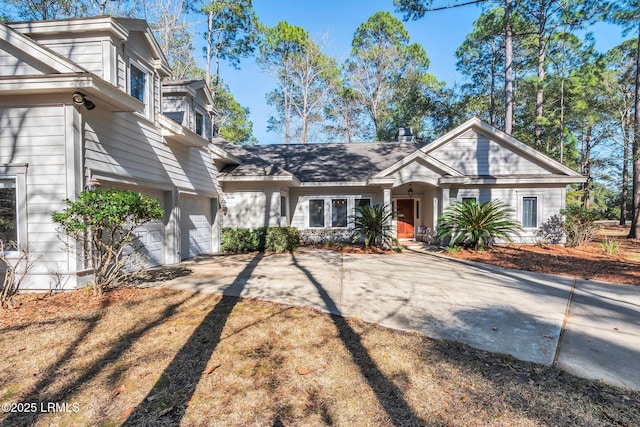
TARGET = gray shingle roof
(318,162)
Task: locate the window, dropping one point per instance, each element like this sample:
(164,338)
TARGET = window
(338,212)
(199,123)
(362,202)
(137,83)
(530,212)
(8,216)
(469,200)
(316,213)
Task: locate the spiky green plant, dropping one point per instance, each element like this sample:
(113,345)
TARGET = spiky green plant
(373,223)
(477,225)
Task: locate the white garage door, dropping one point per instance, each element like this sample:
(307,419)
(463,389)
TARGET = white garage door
(151,234)
(196,224)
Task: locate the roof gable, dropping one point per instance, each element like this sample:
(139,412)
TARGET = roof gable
(478,149)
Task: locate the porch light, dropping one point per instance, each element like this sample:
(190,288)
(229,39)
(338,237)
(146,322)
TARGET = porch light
(410,192)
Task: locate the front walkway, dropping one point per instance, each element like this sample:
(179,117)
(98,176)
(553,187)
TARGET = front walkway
(493,309)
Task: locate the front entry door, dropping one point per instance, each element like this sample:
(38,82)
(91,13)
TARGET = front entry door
(405,218)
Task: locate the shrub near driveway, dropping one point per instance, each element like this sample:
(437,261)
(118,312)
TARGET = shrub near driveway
(271,239)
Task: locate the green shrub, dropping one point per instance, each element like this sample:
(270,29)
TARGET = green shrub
(373,223)
(102,223)
(280,239)
(273,239)
(477,225)
(580,224)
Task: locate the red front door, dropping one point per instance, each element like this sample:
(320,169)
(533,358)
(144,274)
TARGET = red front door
(405,218)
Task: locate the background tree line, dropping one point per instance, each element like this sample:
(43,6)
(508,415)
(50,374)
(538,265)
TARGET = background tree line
(530,68)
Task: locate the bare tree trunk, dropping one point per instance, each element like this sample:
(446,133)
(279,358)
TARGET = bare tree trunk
(541,74)
(586,167)
(492,96)
(624,194)
(635,153)
(209,47)
(508,69)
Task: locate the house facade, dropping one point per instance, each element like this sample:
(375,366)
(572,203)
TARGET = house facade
(317,187)
(81,103)
(86,102)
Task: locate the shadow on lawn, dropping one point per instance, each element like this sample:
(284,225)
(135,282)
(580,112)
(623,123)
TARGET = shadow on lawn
(60,366)
(167,401)
(386,392)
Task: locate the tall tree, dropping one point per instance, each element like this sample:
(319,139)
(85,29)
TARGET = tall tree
(383,67)
(42,10)
(305,77)
(481,60)
(416,9)
(344,115)
(279,48)
(547,17)
(174,35)
(232,30)
(626,13)
(232,122)
(620,90)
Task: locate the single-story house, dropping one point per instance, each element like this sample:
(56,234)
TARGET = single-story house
(317,186)
(87,102)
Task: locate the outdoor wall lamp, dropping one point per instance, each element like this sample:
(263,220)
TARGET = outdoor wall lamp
(80,99)
(410,192)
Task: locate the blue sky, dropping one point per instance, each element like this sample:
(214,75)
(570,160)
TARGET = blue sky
(440,33)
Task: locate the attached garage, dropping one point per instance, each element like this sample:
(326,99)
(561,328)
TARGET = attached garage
(152,234)
(196,224)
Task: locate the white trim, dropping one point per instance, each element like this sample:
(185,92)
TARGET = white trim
(148,85)
(539,209)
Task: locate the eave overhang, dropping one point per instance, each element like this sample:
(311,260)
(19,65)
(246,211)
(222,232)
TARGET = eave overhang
(101,93)
(173,131)
(512,180)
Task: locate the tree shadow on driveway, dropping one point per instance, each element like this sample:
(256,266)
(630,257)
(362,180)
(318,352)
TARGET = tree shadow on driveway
(386,392)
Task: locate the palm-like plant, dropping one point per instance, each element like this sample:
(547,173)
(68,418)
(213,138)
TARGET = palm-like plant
(477,225)
(373,223)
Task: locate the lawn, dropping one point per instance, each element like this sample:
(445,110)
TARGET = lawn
(164,357)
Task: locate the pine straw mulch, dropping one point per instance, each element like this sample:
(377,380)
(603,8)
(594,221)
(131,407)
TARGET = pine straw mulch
(166,357)
(589,261)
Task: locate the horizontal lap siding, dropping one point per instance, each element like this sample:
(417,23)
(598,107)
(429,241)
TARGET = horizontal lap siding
(36,136)
(126,145)
(85,52)
(476,154)
(12,65)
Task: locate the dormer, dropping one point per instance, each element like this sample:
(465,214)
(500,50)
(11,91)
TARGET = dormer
(189,103)
(121,51)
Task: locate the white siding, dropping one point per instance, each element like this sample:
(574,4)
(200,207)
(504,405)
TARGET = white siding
(550,201)
(126,145)
(416,171)
(11,64)
(476,154)
(36,135)
(86,52)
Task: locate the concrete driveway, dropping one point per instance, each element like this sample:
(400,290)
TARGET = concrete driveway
(587,328)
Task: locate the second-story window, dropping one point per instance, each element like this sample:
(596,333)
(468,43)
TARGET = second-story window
(199,123)
(137,83)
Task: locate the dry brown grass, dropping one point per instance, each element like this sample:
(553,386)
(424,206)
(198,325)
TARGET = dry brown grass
(163,357)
